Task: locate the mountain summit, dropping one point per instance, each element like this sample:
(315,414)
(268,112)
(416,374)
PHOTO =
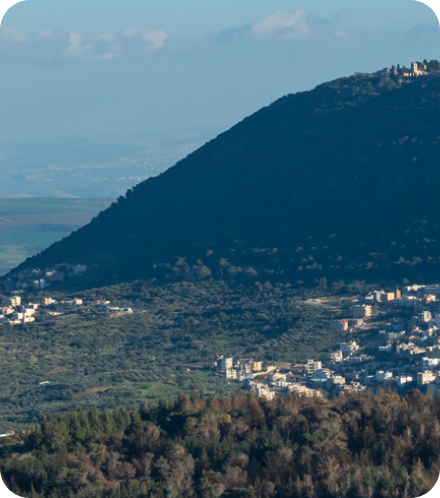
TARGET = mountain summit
(340,179)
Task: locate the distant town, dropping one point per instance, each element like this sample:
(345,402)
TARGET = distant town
(405,353)
(34,279)
(20,311)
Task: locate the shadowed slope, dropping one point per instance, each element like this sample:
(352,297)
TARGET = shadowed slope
(357,157)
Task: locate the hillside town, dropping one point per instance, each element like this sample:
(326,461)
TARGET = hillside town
(403,351)
(34,279)
(399,345)
(19,312)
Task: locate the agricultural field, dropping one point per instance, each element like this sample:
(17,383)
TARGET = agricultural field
(30,224)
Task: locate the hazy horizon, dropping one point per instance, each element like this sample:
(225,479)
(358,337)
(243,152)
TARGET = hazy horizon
(92,68)
(99,96)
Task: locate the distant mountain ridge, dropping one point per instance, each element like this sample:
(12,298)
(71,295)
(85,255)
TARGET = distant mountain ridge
(342,179)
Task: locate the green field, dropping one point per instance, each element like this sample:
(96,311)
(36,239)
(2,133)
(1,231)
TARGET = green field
(29,225)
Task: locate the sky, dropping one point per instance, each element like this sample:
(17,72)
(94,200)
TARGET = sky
(87,67)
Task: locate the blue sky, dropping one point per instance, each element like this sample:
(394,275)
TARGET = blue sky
(89,67)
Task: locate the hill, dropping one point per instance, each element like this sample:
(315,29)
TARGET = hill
(341,180)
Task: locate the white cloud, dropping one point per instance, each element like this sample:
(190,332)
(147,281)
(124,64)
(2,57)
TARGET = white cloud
(280,25)
(74,50)
(278,21)
(276,35)
(108,38)
(129,33)
(56,46)
(11,34)
(155,39)
(99,48)
(44,34)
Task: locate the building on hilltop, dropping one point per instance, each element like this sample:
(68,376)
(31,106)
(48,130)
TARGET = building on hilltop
(415,70)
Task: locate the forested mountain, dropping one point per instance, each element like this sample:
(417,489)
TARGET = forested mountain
(343,179)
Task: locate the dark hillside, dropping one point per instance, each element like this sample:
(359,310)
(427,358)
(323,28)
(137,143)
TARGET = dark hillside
(349,170)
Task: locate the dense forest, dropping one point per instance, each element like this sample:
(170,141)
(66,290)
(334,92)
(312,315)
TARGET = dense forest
(337,182)
(359,446)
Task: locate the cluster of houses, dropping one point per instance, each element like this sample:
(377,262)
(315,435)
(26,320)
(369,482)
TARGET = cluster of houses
(16,312)
(402,351)
(35,279)
(270,380)
(266,380)
(415,71)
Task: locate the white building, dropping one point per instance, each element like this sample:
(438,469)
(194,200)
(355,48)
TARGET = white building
(349,347)
(336,357)
(404,379)
(415,70)
(382,375)
(428,363)
(278,376)
(361,310)
(224,363)
(15,301)
(424,378)
(231,373)
(337,380)
(313,366)
(263,391)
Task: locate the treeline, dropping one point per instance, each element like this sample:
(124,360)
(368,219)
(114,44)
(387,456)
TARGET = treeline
(362,445)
